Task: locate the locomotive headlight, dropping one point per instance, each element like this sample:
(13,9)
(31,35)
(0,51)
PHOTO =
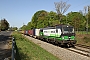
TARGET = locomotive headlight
(69,37)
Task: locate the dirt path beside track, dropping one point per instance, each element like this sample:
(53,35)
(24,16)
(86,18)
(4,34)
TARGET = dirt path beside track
(5,45)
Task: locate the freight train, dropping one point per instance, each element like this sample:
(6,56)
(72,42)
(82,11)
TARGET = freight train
(59,34)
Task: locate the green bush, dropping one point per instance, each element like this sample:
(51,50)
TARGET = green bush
(86,39)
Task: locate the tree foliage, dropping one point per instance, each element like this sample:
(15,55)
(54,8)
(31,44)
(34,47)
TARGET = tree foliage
(77,20)
(14,28)
(24,27)
(43,19)
(39,15)
(4,25)
(88,17)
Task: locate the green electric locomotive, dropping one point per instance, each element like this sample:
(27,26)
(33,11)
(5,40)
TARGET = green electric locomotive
(59,34)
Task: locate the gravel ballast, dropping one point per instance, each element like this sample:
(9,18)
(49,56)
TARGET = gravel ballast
(61,53)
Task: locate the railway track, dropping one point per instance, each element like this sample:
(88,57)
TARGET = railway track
(83,46)
(81,49)
(64,53)
(84,53)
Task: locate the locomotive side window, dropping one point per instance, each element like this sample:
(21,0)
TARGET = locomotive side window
(41,30)
(45,31)
(56,30)
(52,31)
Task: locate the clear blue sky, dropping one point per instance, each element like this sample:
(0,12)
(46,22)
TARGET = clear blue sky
(18,12)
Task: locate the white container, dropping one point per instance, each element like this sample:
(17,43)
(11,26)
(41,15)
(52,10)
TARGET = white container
(36,33)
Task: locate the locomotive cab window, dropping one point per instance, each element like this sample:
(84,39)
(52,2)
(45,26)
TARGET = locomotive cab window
(68,29)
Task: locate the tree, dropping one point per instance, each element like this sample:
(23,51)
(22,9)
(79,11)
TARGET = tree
(61,7)
(14,28)
(37,17)
(64,19)
(23,27)
(77,20)
(29,26)
(4,24)
(87,16)
(52,18)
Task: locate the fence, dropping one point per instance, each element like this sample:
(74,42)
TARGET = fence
(13,49)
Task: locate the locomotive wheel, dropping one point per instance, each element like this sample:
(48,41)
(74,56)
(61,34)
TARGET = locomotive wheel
(73,46)
(47,40)
(68,45)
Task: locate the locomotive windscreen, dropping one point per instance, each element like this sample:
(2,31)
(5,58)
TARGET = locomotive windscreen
(68,29)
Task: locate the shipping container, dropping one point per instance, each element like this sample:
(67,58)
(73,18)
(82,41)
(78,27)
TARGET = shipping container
(29,32)
(26,32)
(22,32)
(36,33)
(33,32)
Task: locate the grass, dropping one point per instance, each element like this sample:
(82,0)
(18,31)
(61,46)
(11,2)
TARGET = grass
(83,38)
(27,50)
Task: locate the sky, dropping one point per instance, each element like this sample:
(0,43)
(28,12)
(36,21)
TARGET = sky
(19,12)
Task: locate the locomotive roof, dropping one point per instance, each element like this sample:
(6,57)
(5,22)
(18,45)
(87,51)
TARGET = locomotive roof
(56,26)
(59,26)
(47,28)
